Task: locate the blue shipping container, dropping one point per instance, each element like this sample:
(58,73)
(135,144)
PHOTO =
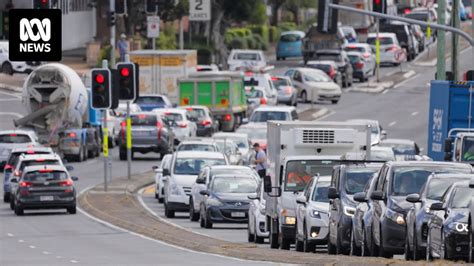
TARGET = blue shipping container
(449,108)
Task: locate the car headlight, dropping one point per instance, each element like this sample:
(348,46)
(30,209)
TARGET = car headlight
(174,189)
(459,227)
(262,209)
(315,213)
(395,217)
(214,202)
(349,211)
(290,220)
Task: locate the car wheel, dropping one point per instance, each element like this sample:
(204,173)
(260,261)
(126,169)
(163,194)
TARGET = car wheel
(84,154)
(6,197)
(168,213)
(278,58)
(408,253)
(258,239)
(7,68)
(339,248)
(193,216)
(72,209)
(207,222)
(334,101)
(274,239)
(299,245)
(429,257)
(442,250)
(201,220)
(354,251)
(18,210)
(285,243)
(250,235)
(111,142)
(364,251)
(307,246)
(123,154)
(417,255)
(382,252)
(331,248)
(304,97)
(79,157)
(12,203)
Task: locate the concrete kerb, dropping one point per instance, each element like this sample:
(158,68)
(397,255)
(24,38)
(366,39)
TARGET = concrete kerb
(378,87)
(10,87)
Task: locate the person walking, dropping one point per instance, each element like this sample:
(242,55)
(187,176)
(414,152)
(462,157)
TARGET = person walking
(122,45)
(260,160)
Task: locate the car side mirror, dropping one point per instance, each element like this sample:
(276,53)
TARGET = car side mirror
(245,121)
(253,196)
(437,206)
(69,167)
(13,180)
(448,145)
(154,167)
(158,171)
(200,181)
(267,184)
(174,105)
(301,199)
(413,198)
(383,134)
(377,195)
(204,192)
(74,178)
(166,172)
(332,193)
(360,197)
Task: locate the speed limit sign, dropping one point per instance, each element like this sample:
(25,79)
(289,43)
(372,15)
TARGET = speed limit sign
(199,10)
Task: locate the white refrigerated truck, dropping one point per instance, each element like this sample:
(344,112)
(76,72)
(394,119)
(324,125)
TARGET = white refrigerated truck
(299,150)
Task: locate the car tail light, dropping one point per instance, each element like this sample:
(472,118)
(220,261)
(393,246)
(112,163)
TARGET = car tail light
(25,184)
(45,170)
(274,78)
(40,160)
(30,152)
(123,125)
(263,101)
(159,126)
(393,48)
(206,122)
(248,74)
(167,113)
(407,11)
(189,108)
(288,90)
(359,65)
(7,167)
(66,183)
(72,135)
(332,72)
(182,125)
(227,117)
(13,135)
(366,55)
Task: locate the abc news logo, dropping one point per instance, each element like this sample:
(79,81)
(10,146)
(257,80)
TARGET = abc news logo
(35,35)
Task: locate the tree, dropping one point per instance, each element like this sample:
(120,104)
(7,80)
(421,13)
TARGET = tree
(294,7)
(276,5)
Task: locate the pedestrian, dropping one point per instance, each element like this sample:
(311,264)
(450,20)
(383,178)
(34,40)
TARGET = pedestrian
(260,160)
(122,45)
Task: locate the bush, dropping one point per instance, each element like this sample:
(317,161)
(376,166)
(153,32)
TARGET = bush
(287,26)
(104,54)
(262,45)
(204,56)
(274,34)
(252,43)
(238,43)
(259,14)
(262,31)
(167,40)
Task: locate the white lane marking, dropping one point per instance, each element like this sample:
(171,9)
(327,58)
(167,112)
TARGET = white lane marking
(11,94)
(409,74)
(10,235)
(32,247)
(46,252)
(59,257)
(331,112)
(392,123)
(406,80)
(155,240)
(91,161)
(414,113)
(385,91)
(74,261)
(9,100)
(12,114)
(21,240)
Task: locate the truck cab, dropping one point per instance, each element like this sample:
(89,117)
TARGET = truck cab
(460,147)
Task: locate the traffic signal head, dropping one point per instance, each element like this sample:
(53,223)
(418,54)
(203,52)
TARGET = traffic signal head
(126,81)
(378,6)
(41,4)
(327,17)
(120,7)
(151,6)
(101,89)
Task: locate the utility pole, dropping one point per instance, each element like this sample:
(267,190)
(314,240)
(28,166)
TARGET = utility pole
(441,61)
(377,49)
(112,33)
(455,40)
(105,140)
(128,130)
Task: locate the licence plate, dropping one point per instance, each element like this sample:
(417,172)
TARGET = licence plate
(140,133)
(46,198)
(237,214)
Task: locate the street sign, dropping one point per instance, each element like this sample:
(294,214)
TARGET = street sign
(153,27)
(199,10)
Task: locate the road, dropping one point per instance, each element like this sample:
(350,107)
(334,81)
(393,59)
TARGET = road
(55,238)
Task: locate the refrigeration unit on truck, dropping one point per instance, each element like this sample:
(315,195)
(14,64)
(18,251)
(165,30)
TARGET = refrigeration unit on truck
(58,107)
(222,92)
(451,123)
(298,151)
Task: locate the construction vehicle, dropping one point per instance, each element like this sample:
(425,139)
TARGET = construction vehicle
(59,110)
(298,151)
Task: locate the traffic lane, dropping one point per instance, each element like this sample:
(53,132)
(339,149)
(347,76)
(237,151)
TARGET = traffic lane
(10,109)
(60,239)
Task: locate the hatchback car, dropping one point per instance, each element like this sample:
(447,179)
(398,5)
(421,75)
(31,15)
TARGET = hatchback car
(149,134)
(263,81)
(148,102)
(225,201)
(257,96)
(159,184)
(201,144)
(404,149)
(363,69)
(206,123)
(45,187)
(230,149)
(257,228)
(290,45)
(390,48)
(328,67)
(11,67)
(257,133)
(180,122)
(268,113)
(312,215)
(11,139)
(342,61)
(287,93)
(243,143)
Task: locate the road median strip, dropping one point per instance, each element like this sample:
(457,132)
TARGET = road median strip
(125,211)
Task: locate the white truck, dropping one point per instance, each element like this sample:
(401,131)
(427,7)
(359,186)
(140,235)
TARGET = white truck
(459,146)
(298,151)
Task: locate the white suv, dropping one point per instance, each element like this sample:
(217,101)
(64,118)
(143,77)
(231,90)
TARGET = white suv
(178,179)
(10,67)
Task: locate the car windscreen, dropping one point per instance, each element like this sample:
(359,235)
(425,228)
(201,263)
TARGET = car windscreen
(468,149)
(299,173)
(316,77)
(193,166)
(280,82)
(143,120)
(323,67)
(234,184)
(228,148)
(247,56)
(231,171)
(253,93)
(196,147)
(42,176)
(290,38)
(409,180)
(173,117)
(357,178)
(150,100)
(264,116)
(383,40)
(239,141)
(399,30)
(400,149)
(38,162)
(320,192)
(330,57)
(462,197)
(196,113)
(418,16)
(15,138)
(354,49)
(438,186)
(254,133)
(382,155)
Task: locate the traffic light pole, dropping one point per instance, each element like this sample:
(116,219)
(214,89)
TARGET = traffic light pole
(441,63)
(377,49)
(112,34)
(105,146)
(455,40)
(129,133)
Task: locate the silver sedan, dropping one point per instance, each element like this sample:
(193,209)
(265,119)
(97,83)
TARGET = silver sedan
(287,93)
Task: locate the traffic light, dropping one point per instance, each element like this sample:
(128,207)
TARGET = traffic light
(378,6)
(151,6)
(111,18)
(120,7)
(101,88)
(126,75)
(327,17)
(41,4)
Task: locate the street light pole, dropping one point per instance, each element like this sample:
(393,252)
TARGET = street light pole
(112,33)
(441,47)
(455,40)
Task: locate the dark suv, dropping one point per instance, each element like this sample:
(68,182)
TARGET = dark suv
(347,180)
(342,60)
(396,180)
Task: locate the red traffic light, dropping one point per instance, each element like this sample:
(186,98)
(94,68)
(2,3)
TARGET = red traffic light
(44,2)
(377,2)
(124,72)
(99,78)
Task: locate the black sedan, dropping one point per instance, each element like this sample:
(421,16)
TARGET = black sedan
(448,229)
(419,215)
(226,199)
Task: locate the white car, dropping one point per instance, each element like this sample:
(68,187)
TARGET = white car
(243,143)
(159,184)
(181,175)
(207,68)
(204,179)
(267,113)
(312,215)
(180,122)
(10,67)
(367,53)
(201,144)
(390,49)
(363,68)
(378,153)
(245,59)
(11,139)
(314,85)
(377,133)
(263,81)
(257,228)
(230,149)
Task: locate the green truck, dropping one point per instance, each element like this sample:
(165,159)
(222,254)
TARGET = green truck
(222,92)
